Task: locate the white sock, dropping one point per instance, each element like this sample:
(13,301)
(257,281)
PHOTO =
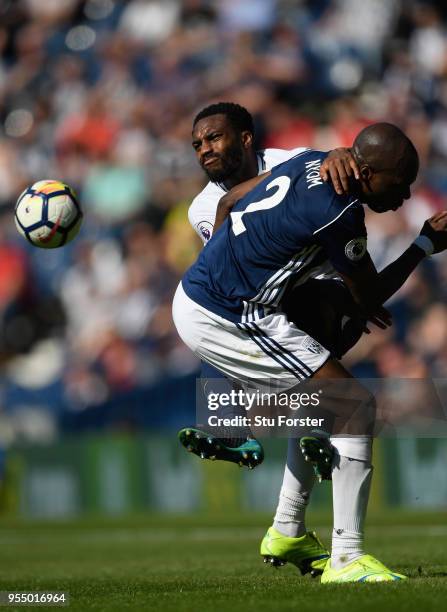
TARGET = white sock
(351,482)
(297,486)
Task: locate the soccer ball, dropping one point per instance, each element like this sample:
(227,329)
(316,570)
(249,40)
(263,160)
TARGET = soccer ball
(48,214)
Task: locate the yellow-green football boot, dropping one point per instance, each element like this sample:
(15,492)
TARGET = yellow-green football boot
(306,552)
(364,569)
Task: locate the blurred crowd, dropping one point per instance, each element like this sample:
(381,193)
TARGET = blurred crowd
(102,93)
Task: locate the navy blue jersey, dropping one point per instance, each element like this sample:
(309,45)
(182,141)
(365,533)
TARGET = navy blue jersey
(290,227)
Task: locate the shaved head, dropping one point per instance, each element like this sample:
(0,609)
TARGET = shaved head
(388,163)
(383,146)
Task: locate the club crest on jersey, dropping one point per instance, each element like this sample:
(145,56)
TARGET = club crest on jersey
(312,346)
(206,229)
(355,249)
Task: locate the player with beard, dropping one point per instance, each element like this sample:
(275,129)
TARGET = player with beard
(223,138)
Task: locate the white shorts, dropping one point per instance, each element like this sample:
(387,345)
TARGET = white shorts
(270,350)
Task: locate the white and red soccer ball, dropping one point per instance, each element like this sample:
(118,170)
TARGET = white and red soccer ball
(48,214)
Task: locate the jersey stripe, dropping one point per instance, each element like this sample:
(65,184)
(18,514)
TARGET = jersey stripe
(274,288)
(271,282)
(297,269)
(264,295)
(322,269)
(337,217)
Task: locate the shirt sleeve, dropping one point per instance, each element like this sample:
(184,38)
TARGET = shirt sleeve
(296,151)
(203,228)
(201,215)
(274,157)
(344,239)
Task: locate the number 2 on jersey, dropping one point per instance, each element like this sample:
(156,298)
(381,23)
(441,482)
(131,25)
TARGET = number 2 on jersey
(282,183)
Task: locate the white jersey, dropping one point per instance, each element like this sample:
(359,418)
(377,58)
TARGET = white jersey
(202,212)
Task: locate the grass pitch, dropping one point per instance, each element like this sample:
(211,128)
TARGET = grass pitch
(199,564)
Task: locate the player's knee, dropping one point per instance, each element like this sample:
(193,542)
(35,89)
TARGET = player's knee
(359,414)
(369,404)
(364,418)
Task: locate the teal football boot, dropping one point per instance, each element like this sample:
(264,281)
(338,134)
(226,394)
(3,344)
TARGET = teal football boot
(248,453)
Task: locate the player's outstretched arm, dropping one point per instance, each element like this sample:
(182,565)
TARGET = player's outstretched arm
(338,167)
(431,240)
(371,289)
(227,201)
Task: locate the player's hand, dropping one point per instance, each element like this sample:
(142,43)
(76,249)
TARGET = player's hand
(435,229)
(339,166)
(381,318)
